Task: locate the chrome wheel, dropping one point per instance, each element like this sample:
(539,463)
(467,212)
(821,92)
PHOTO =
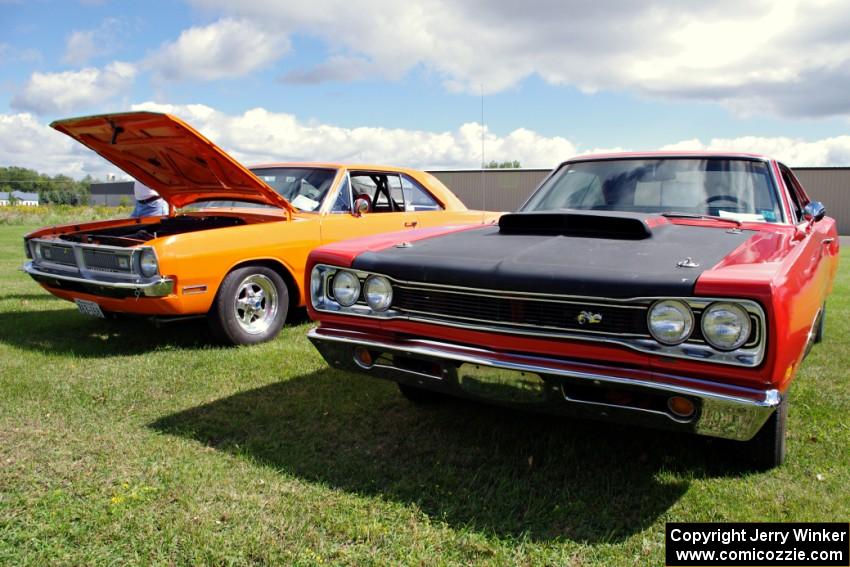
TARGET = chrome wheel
(255,304)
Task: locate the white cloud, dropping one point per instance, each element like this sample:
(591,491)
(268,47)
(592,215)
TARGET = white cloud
(790,58)
(26,142)
(225,49)
(80,48)
(336,68)
(792,151)
(68,91)
(84,45)
(259,135)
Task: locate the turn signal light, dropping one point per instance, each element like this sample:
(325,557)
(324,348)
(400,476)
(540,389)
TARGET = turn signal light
(681,406)
(362,356)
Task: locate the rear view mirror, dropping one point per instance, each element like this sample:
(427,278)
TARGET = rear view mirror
(361,206)
(814,211)
(663,171)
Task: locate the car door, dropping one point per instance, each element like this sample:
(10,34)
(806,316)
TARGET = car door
(817,258)
(386,211)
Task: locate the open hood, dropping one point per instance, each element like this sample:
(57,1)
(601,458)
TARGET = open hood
(171,157)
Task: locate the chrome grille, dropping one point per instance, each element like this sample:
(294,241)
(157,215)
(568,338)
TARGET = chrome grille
(103,260)
(628,320)
(59,255)
(505,311)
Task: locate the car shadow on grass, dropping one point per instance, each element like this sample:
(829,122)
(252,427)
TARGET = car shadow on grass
(67,332)
(509,473)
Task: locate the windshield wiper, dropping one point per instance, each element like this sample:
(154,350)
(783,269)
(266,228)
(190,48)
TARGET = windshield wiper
(680,215)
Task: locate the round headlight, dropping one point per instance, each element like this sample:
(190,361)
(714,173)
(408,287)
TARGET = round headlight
(346,288)
(670,322)
(37,250)
(378,292)
(147,263)
(726,326)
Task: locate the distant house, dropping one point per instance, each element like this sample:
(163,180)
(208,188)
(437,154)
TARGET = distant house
(19,198)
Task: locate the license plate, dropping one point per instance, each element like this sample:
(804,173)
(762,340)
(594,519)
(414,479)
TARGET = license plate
(500,384)
(89,308)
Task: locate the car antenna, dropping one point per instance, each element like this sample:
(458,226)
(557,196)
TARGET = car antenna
(483,188)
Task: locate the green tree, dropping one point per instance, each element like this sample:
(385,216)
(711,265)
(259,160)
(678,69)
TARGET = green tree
(50,189)
(503,165)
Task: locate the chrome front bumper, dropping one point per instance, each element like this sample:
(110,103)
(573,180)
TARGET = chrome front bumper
(566,387)
(159,287)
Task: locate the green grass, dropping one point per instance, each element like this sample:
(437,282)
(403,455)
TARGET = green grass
(46,215)
(124,443)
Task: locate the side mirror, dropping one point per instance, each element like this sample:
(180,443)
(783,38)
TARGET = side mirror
(814,211)
(361,206)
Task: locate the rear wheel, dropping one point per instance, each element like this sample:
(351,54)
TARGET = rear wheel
(420,395)
(250,307)
(767,449)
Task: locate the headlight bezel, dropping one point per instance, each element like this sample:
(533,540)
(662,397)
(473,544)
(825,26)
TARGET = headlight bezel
(323,298)
(676,305)
(744,317)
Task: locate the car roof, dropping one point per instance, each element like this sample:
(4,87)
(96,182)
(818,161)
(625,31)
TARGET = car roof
(337,165)
(668,154)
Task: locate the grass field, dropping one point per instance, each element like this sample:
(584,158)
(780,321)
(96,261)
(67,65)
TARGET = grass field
(123,443)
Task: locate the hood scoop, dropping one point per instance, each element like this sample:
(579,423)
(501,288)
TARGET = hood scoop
(588,224)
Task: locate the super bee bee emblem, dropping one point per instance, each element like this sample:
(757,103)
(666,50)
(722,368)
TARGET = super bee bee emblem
(588,318)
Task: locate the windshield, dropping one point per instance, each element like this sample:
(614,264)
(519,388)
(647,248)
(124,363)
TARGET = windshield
(728,188)
(304,187)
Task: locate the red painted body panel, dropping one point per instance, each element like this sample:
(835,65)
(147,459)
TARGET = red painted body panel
(788,269)
(343,253)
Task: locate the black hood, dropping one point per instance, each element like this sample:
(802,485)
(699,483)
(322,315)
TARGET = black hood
(600,255)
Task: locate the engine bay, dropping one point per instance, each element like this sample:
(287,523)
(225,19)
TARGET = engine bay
(135,234)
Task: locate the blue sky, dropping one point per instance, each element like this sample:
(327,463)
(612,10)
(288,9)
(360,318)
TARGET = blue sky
(401,83)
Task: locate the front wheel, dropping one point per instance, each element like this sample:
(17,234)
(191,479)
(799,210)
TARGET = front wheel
(767,449)
(250,307)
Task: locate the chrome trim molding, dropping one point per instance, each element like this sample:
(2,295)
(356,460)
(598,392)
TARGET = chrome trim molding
(157,288)
(131,253)
(748,356)
(732,416)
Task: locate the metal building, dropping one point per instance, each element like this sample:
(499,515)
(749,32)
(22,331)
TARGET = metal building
(112,194)
(507,189)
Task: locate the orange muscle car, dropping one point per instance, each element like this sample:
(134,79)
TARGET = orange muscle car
(235,244)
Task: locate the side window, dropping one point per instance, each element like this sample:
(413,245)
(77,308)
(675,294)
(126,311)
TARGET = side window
(383,190)
(342,203)
(793,193)
(417,198)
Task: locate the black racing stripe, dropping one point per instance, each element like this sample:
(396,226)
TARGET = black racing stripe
(561,264)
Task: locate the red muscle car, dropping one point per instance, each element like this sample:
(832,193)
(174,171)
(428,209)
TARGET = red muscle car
(678,291)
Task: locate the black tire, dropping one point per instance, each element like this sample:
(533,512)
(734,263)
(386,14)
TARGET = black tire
(819,329)
(420,395)
(767,449)
(250,307)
